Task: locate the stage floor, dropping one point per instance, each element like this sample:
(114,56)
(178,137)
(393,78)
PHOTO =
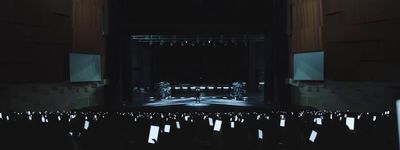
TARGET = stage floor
(205,101)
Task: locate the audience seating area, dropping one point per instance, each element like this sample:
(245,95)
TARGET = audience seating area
(272,130)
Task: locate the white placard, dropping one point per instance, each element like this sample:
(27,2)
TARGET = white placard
(319,121)
(178,125)
(217,126)
(30,117)
(350,122)
(398,119)
(282,123)
(313,136)
(43,119)
(167,128)
(59,118)
(186,118)
(232,124)
(210,122)
(86,125)
(374,118)
(260,134)
(153,134)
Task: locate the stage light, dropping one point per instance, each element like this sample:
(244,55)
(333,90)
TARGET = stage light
(261,83)
(177,88)
(226,88)
(209,42)
(202,88)
(185,88)
(193,88)
(219,88)
(210,88)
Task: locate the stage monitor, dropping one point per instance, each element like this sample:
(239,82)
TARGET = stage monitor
(84,67)
(308,66)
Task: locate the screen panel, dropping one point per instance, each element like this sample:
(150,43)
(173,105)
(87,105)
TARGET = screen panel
(84,67)
(308,66)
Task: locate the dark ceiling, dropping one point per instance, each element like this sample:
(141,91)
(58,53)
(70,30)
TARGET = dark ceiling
(193,16)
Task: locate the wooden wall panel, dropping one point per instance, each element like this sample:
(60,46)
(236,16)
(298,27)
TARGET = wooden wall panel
(87,24)
(306,25)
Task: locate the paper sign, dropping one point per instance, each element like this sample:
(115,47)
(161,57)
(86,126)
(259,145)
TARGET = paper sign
(217,126)
(282,123)
(313,136)
(86,125)
(153,134)
(260,134)
(167,128)
(350,122)
(178,125)
(210,122)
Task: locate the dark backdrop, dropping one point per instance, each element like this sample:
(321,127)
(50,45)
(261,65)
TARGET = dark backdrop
(199,64)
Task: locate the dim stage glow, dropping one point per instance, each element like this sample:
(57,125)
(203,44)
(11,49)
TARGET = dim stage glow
(191,101)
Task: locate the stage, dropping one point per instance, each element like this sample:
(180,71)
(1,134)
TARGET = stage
(204,101)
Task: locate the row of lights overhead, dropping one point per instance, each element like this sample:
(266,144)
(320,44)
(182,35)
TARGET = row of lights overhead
(194,43)
(193,40)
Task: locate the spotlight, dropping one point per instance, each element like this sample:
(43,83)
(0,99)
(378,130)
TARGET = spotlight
(209,42)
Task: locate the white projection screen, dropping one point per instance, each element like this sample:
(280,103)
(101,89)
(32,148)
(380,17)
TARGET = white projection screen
(308,66)
(84,67)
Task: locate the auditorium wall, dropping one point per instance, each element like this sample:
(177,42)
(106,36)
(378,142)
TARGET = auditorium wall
(36,38)
(360,39)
